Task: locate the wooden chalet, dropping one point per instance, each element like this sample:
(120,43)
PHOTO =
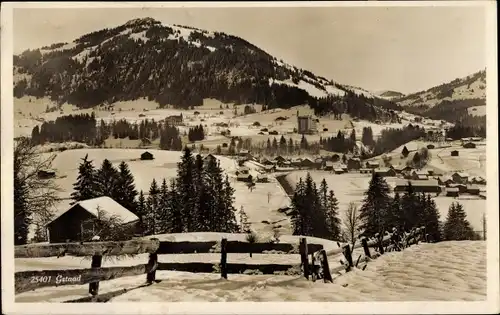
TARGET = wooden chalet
(261,178)
(328,166)
(307,163)
(75,222)
(462,188)
(454,153)
(469,145)
(460,177)
(473,189)
(452,192)
(353,163)
(419,186)
(477,180)
(244,177)
(372,164)
(385,172)
(147,156)
(366,170)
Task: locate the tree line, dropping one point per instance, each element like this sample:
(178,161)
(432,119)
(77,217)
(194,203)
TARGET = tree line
(315,213)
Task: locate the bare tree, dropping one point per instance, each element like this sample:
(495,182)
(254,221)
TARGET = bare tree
(351,224)
(40,194)
(105,227)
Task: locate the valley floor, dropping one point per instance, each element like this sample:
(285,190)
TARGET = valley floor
(446,271)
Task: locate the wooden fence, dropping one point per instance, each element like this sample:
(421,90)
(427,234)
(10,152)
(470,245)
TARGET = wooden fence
(382,243)
(31,280)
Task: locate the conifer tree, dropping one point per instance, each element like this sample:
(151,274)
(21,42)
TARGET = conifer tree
(298,205)
(410,206)
(85,186)
(457,227)
(375,207)
(186,188)
(228,212)
(431,221)
(107,180)
(125,188)
(152,206)
(175,219)
(395,216)
(332,219)
(141,210)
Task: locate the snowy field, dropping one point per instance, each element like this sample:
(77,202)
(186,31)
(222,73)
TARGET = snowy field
(350,187)
(260,204)
(472,161)
(30,112)
(446,271)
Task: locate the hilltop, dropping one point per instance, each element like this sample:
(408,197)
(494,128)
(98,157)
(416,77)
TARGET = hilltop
(390,95)
(460,99)
(179,66)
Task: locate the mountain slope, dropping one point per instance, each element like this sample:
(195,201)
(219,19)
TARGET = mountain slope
(390,95)
(179,66)
(450,101)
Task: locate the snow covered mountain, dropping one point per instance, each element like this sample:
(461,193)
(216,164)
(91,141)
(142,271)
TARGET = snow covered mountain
(172,65)
(462,98)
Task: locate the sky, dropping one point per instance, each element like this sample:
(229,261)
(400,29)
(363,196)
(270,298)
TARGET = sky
(405,49)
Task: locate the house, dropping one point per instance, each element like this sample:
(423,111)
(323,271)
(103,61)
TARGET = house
(243,170)
(269,168)
(147,156)
(372,164)
(242,177)
(265,161)
(444,181)
(328,166)
(460,177)
(476,139)
(366,170)
(46,174)
(420,175)
(419,186)
(385,172)
(461,187)
(279,159)
(354,164)
(306,124)
(478,180)
(344,168)
(262,178)
(469,145)
(473,189)
(452,192)
(454,153)
(338,170)
(245,153)
(319,163)
(74,224)
(174,120)
(401,168)
(307,163)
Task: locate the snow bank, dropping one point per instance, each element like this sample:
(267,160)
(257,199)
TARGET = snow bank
(447,271)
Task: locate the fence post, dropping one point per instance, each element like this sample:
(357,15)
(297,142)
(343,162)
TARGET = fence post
(364,242)
(96,264)
(348,257)
(223,258)
(380,245)
(314,272)
(327,277)
(153,261)
(303,256)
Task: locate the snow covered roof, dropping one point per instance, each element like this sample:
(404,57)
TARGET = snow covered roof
(461,174)
(107,205)
(427,182)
